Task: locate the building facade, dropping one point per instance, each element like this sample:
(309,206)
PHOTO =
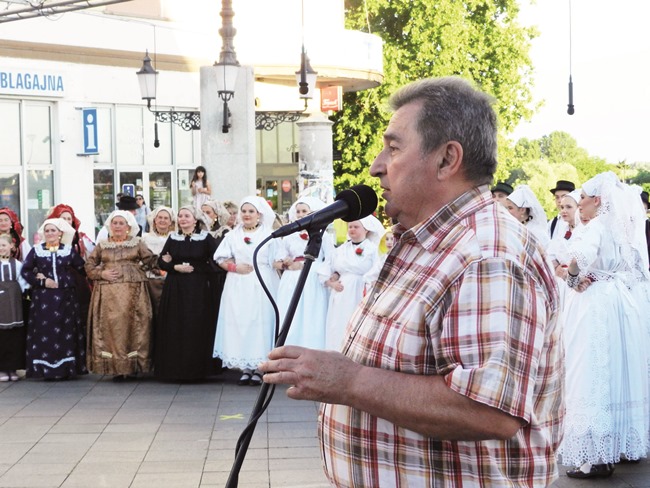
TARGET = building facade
(73,127)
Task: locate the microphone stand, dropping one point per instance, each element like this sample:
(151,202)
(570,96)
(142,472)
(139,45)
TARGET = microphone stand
(311,254)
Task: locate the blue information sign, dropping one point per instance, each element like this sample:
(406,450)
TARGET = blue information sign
(89,117)
(128,189)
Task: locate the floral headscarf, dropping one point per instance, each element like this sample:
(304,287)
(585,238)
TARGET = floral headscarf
(154,213)
(16,232)
(202,220)
(56,212)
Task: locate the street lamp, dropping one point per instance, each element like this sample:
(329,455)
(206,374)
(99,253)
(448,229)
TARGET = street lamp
(228,66)
(148,79)
(306,77)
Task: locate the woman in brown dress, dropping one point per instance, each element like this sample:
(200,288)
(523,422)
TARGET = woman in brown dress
(119,320)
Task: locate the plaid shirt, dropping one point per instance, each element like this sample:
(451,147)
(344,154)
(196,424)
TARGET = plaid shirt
(466,295)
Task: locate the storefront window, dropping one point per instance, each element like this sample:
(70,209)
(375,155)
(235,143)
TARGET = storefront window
(277,146)
(10,191)
(40,199)
(9,133)
(131,183)
(104,195)
(160,189)
(37,142)
(184,192)
(128,135)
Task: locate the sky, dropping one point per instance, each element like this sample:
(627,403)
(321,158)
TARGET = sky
(610,64)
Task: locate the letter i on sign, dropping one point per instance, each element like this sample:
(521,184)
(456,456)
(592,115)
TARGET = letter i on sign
(90,131)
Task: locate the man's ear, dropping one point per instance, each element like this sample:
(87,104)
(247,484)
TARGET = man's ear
(452,158)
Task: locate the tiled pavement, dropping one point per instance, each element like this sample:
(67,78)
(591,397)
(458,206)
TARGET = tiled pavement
(92,432)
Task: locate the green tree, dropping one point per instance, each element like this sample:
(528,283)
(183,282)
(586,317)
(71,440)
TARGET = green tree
(479,40)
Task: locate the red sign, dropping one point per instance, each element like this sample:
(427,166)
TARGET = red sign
(331,99)
(286,186)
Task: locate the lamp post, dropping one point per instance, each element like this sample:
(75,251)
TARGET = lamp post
(227,64)
(148,78)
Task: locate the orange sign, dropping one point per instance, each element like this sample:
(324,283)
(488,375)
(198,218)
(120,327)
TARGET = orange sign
(331,99)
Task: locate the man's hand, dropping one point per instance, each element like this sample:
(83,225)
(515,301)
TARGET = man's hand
(322,376)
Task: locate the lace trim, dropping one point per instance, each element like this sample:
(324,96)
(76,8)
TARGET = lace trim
(44,253)
(133,242)
(194,237)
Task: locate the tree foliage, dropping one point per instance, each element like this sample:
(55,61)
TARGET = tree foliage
(479,40)
(539,163)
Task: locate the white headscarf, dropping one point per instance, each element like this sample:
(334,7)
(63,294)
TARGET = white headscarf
(134,228)
(154,213)
(622,211)
(314,204)
(267,215)
(202,220)
(374,227)
(524,197)
(575,195)
(63,226)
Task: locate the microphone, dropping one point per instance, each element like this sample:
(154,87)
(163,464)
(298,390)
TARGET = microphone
(350,205)
(570,108)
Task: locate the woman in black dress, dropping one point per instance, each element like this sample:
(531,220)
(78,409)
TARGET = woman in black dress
(56,339)
(182,347)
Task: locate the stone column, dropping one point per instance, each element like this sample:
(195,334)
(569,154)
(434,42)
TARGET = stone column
(229,158)
(315,170)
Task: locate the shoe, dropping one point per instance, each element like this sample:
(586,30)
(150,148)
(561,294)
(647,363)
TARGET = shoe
(244,380)
(119,378)
(256,379)
(625,460)
(13,376)
(4,377)
(596,471)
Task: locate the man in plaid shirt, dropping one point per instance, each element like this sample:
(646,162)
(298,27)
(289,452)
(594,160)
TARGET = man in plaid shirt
(452,369)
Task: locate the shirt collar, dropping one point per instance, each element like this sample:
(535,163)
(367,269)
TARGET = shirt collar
(431,231)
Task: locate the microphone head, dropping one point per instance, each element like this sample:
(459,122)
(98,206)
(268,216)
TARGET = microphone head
(361,201)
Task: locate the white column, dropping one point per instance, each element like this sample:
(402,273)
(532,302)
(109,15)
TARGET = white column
(315,170)
(229,158)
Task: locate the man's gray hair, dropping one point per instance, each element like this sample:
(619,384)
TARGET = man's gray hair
(453,110)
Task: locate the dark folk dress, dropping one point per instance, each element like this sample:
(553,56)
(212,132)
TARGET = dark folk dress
(12,329)
(56,337)
(187,316)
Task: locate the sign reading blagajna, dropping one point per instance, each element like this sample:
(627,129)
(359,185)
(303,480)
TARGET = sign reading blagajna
(31,82)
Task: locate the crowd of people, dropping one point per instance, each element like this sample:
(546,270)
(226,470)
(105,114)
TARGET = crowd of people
(175,297)
(485,345)
(599,247)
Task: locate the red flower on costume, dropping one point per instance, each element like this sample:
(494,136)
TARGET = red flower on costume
(567,234)
(358,251)
(304,236)
(247,240)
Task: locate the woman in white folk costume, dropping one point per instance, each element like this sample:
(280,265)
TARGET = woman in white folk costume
(524,206)
(246,323)
(308,325)
(162,221)
(606,343)
(346,276)
(558,248)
